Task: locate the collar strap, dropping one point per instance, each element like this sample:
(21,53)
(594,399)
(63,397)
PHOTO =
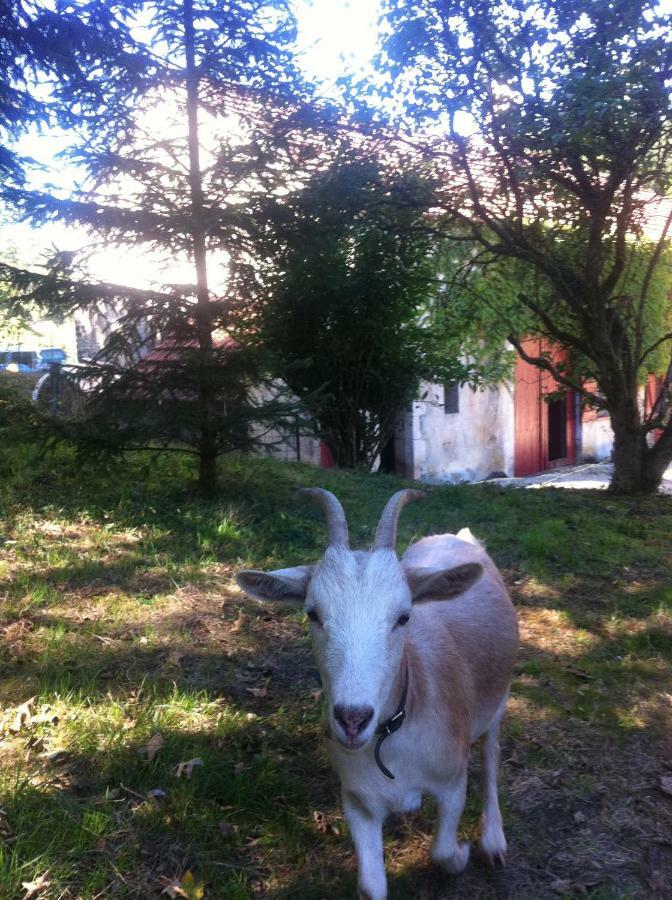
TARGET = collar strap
(389,726)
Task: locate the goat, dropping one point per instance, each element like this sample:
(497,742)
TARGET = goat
(392,653)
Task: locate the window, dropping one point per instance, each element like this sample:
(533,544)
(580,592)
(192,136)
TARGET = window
(451,397)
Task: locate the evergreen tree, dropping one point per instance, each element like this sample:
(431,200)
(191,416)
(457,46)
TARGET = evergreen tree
(348,285)
(179,130)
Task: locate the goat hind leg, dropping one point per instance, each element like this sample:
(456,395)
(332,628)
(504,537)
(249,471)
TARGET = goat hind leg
(492,842)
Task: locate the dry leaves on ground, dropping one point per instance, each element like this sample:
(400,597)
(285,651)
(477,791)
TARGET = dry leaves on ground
(33,888)
(186,768)
(187,887)
(22,715)
(324,824)
(152,747)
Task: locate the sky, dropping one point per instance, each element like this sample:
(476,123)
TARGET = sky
(334,36)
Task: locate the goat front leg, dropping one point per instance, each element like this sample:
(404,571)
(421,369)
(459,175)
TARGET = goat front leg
(445,850)
(366,828)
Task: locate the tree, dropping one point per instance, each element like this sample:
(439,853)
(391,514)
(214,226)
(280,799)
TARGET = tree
(346,280)
(47,51)
(178,130)
(556,146)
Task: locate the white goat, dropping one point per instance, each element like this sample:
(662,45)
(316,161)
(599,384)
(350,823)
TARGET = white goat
(391,654)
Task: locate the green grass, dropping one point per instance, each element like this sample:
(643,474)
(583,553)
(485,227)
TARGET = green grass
(120,615)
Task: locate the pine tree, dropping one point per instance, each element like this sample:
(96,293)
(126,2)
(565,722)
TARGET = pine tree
(179,131)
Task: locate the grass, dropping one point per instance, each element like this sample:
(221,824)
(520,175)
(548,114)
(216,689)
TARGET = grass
(120,617)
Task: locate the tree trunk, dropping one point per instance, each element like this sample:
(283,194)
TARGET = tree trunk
(207,443)
(629,455)
(638,469)
(207,469)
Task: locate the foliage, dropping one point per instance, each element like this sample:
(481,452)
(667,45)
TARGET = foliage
(347,300)
(179,125)
(481,307)
(120,616)
(31,43)
(556,149)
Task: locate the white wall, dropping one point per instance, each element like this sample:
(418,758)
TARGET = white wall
(597,439)
(465,446)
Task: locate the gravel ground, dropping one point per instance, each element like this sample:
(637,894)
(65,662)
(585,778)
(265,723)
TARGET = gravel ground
(594,476)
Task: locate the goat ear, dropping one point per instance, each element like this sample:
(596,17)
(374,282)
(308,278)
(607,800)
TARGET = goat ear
(442,584)
(285,585)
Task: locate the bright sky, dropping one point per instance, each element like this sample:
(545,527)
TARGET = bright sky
(335,36)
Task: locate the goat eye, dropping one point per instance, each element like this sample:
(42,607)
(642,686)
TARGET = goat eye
(313,616)
(403,619)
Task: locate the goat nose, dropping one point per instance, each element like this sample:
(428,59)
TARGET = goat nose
(353,719)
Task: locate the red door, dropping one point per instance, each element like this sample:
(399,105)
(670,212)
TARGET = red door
(652,391)
(544,429)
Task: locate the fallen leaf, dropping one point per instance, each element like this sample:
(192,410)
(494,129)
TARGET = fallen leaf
(152,747)
(323,823)
(573,670)
(186,887)
(32,888)
(320,821)
(55,757)
(186,768)
(156,794)
(22,715)
(666,784)
(226,829)
(46,717)
(257,691)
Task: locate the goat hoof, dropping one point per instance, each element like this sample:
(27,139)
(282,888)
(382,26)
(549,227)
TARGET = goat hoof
(496,859)
(456,862)
(373,894)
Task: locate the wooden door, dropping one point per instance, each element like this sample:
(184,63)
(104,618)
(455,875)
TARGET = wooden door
(544,429)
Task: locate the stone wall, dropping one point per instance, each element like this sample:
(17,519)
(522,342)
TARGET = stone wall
(467,445)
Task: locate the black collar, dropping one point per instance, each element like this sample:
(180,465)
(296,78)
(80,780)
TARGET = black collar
(389,726)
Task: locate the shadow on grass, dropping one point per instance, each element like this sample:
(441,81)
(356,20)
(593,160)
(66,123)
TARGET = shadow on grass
(94,818)
(243,823)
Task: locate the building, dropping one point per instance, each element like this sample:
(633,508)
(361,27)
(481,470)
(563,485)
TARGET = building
(521,427)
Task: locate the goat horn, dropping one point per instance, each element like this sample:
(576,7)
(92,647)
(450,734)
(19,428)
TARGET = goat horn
(337,527)
(386,533)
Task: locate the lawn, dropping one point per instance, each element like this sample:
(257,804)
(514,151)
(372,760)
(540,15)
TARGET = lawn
(126,649)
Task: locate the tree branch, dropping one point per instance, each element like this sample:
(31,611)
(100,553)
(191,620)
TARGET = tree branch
(543,362)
